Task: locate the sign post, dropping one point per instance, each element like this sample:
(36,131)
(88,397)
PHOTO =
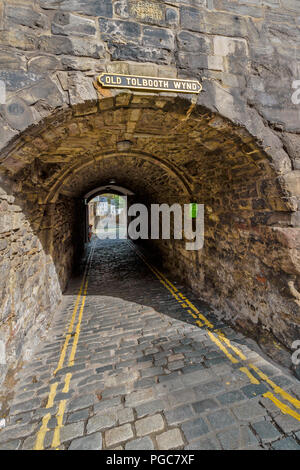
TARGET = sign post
(114,80)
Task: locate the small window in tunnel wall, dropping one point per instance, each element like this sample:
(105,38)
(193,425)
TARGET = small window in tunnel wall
(107,217)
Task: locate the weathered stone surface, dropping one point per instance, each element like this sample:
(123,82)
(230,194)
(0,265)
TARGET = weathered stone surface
(17,113)
(25,16)
(68,24)
(158,37)
(170,439)
(88,7)
(144,443)
(191,42)
(119,434)
(140,323)
(43,64)
(71,46)
(51,53)
(93,442)
(119,31)
(147,11)
(102,421)
(148,425)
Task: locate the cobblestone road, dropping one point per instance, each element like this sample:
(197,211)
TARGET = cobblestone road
(136,362)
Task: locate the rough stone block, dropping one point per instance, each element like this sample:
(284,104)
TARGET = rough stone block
(25,16)
(221,419)
(119,434)
(158,37)
(194,429)
(288,443)
(225,46)
(101,421)
(170,439)
(86,7)
(266,431)
(148,425)
(179,414)
(66,24)
(144,443)
(93,442)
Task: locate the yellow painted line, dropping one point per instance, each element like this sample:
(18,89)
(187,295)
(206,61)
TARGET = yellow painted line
(222,338)
(159,273)
(222,347)
(77,332)
(283,408)
(193,314)
(70,329)
(39,443)
(165,281)
(276,388)
(200,315)
(253,379)
(60,413)
(67,382)
(153,268)
(59,417)
(230,345)
(62,404)
(68,337)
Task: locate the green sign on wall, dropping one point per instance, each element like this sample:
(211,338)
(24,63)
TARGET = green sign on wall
(193,210)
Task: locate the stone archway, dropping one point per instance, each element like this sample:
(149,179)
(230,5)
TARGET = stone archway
(164,149)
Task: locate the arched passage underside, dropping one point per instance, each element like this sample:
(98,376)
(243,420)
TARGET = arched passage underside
(164,150)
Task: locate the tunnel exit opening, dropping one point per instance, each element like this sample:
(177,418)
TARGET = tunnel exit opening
(107,217)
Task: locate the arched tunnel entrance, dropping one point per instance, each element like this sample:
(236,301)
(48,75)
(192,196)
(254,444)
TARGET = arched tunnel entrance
(162,150)
(151,303)
(152,341)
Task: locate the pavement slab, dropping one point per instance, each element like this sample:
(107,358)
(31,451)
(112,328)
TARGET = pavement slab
(140,368)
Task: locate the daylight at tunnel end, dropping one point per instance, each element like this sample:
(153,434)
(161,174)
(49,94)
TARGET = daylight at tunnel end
(184,103)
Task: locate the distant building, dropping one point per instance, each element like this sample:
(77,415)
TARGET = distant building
(102,206)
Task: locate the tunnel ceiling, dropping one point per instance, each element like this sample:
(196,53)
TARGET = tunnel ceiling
(140,175)
(160,147)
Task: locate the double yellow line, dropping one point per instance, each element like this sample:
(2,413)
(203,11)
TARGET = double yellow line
(80,300)
(219,338)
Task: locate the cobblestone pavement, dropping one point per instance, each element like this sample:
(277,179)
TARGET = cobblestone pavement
(137,362)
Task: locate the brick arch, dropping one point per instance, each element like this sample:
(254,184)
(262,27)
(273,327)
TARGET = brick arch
(202,155)
(238,145)
(66,177)
(162,117)
(109,188)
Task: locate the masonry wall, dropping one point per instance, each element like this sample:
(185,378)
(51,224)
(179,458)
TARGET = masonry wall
(36,259)
(245,53)
(249,48)
(248,268)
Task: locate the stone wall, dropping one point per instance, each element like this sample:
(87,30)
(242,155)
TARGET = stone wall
(235,147)
(36,258)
